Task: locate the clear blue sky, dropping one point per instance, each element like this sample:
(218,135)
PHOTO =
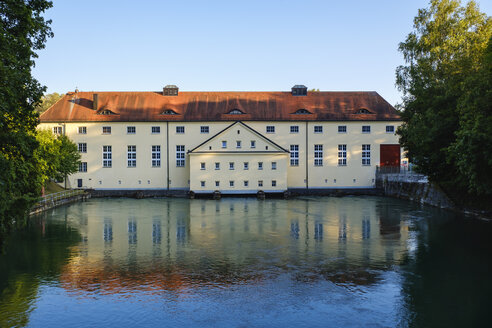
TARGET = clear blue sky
(108,45)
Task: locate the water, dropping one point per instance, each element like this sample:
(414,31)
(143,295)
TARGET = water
(309,262)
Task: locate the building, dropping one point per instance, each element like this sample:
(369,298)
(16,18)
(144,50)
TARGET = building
(233,142)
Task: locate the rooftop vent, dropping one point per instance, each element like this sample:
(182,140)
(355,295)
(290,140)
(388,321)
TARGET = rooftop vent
(299,90)
(170,90)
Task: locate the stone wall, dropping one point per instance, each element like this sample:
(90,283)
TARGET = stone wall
(414,187)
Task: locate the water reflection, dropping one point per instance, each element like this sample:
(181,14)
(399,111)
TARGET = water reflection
(179,247)
(230,241)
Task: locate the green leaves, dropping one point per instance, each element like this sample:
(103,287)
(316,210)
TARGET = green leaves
(55,156)
(22,31)
(446,88)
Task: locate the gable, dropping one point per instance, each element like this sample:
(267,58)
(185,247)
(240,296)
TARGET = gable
(238,138)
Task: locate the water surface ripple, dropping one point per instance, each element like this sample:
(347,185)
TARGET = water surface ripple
(240,262)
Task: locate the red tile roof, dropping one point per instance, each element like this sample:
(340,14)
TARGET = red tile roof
(214,106)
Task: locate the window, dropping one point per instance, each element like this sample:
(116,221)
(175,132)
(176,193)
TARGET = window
(204,129)
(318,155)
(180,129)
(270,129)
(202,183)
(156,156)
(217,183)
(132,156)
(235,112)
(106,130)
(106,112)
(246,183)
(294,129)
(238,144)
(246,165)
(342,155)
(260,165)
(217,165)
(231,183)
(169,112)
(274,183)
(107,156)
(318,129)
(342,129)
(366,129)
(83,167)
(131,130)
(363,111)
(180,155)
(366,154)
(294,155)
(253,144)
(82,130)
(202,166)
(57,130)
(260,183)
(224,144)
(82,147)
(274,165)
(302,111)
(390,129)
(155,129)
(231,165)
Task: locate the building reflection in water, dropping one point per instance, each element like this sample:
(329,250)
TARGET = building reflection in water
(108,230)
(132,231)
(156,231)
(366,227)
(318,231)
(294,229)
(232,240)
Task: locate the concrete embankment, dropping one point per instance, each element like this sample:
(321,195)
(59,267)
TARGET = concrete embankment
(60,198)
(413,187)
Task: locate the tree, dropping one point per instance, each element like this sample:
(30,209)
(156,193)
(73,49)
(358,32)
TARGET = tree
(57,157)
(47,101)
(443,55)
(22,31)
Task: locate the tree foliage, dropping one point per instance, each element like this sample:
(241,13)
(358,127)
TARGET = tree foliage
(446,96)
(56,156)
(47,101)
(22,31)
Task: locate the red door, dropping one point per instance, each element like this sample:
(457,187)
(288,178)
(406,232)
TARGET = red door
(389,155)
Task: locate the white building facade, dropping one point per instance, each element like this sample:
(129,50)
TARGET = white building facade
(231,142)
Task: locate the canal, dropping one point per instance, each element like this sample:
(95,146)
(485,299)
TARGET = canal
(240,262)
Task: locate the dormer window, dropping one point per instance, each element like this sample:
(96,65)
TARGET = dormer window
(170,90)
(169,112)
(299,90)
(302,111)
(235,111)
(106,112)
(363,111)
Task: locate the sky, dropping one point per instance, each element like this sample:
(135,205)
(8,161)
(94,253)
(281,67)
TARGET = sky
(107,45)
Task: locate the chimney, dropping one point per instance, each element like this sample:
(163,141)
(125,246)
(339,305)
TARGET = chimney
(170,90)
(95,101)
(299,90)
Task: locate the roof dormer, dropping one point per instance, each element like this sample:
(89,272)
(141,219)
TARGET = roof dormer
(235,111)
(363,110)
(302,111)
(169,112)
